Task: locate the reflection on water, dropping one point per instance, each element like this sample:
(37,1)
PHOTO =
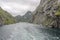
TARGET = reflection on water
(27,31)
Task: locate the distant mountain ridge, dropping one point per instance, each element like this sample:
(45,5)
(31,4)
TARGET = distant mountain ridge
(25,18)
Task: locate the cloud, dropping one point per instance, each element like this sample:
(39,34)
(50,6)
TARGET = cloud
(18,7)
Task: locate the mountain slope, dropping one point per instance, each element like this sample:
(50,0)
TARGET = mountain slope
(5,17)
(46,13)
(25,18)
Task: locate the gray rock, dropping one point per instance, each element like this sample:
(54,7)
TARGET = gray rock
(45,12)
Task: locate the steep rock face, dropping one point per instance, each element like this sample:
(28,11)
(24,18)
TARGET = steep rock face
(45,12)
(6,18)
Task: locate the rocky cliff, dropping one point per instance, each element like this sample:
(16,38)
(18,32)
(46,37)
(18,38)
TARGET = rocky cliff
(6,18)
(46,13)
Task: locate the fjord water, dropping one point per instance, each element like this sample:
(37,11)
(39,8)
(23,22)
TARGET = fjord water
(27,31)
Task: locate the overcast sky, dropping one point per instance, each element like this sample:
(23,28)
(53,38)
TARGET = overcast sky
(19,7)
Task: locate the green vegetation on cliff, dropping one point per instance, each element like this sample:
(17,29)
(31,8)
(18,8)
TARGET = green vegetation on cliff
(57,13)
(6,18)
